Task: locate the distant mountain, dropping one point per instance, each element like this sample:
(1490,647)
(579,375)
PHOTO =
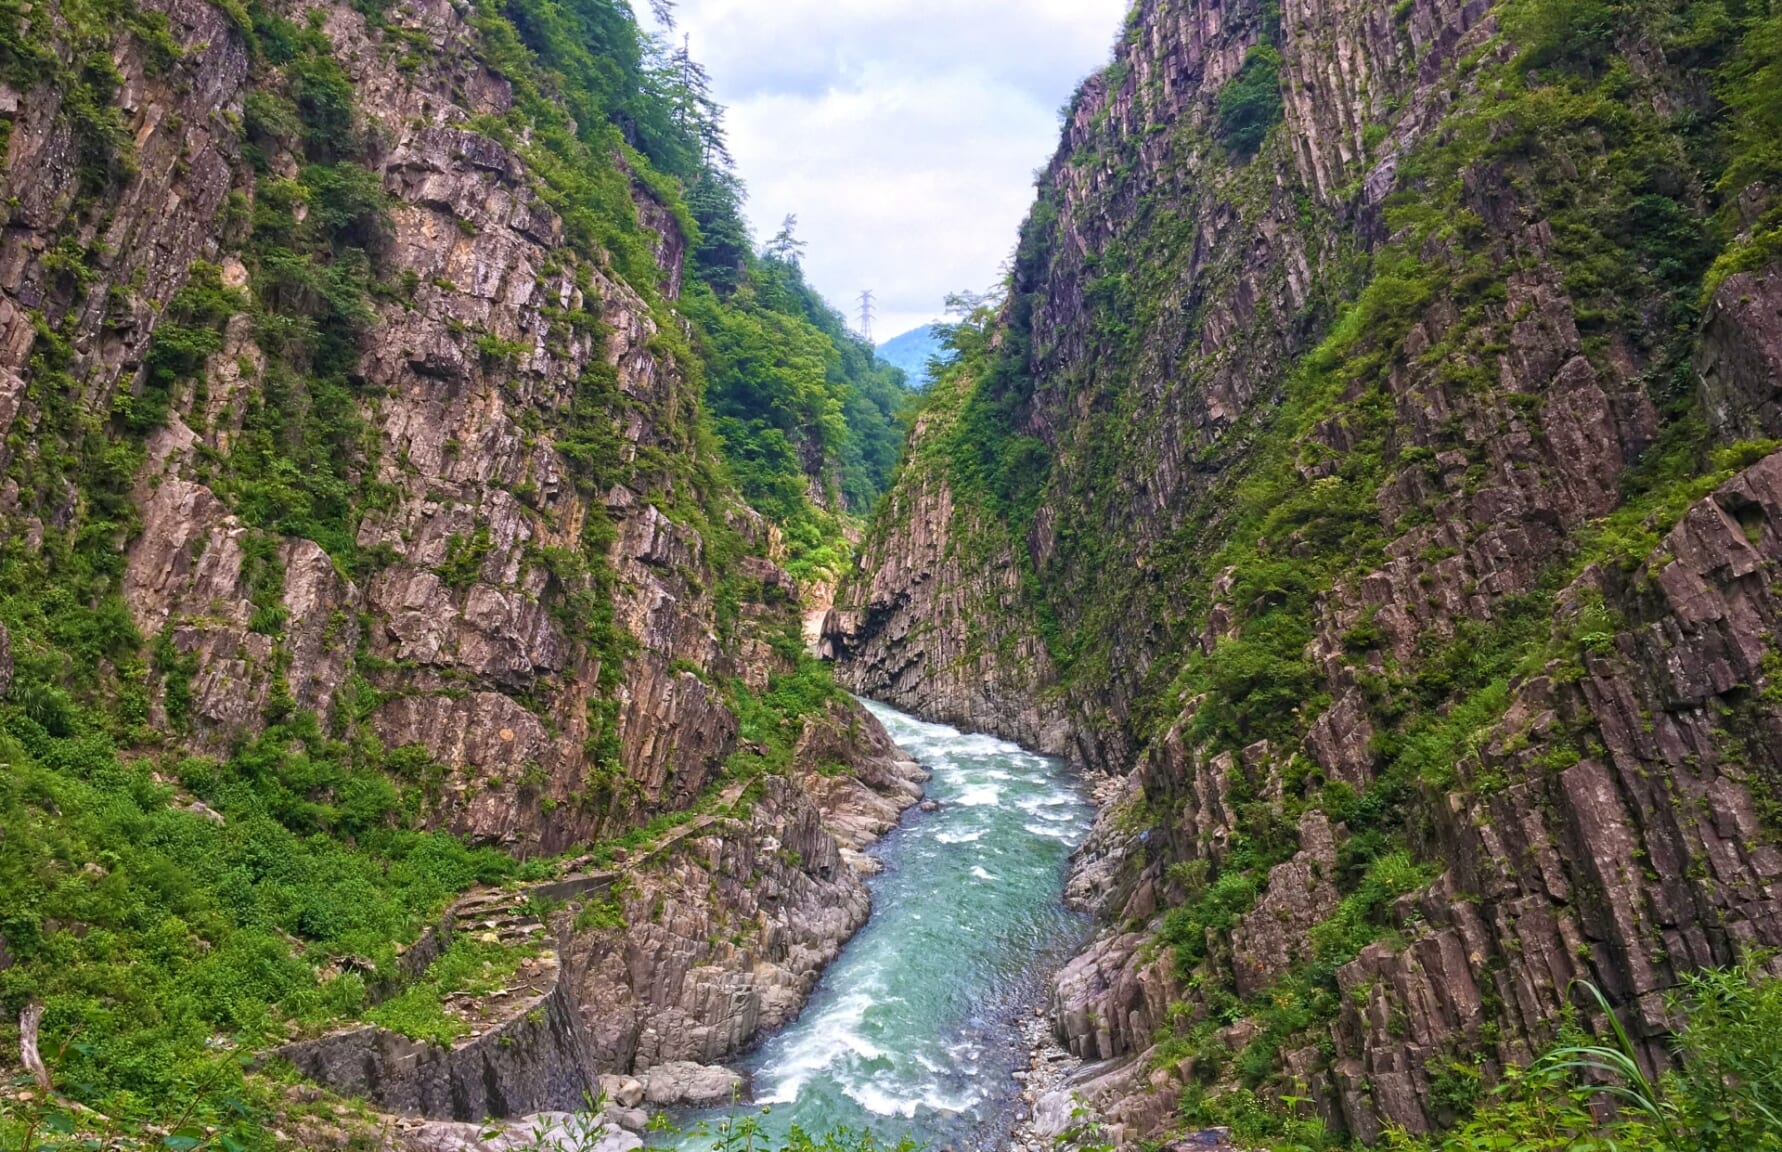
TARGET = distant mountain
(912,351)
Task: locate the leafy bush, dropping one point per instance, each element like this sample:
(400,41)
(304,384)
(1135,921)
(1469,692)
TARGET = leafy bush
(1574,34)
(190,332)
(152,932)
(1250,103)
(1725,1095)
(1217,909)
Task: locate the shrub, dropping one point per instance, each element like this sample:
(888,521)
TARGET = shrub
(1724,1096)
(1250,103)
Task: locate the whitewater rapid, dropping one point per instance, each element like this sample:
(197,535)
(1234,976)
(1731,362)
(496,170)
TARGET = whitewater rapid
(911,1031)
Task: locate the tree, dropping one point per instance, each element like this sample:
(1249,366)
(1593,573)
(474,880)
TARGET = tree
(724,251)
(688,90)
(785,245)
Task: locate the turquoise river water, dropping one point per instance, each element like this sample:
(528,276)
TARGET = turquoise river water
(912,1030)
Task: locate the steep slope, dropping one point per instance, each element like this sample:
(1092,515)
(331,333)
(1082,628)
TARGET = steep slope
(362,513)
(1360,462)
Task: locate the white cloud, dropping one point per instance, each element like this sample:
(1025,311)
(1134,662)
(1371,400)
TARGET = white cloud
(903,133)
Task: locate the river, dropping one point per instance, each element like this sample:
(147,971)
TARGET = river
(911,1032)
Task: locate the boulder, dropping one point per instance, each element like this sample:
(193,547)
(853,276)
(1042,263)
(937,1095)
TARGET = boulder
(684,1083)
(624,1091)
(1052,1113)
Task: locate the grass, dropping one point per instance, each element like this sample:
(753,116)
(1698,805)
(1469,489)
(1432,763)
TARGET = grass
(155,936)
(1724,1095)
(469,968)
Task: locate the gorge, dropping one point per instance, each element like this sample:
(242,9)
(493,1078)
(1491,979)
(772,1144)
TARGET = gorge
(911,1032)
(420,496)
(1372,460)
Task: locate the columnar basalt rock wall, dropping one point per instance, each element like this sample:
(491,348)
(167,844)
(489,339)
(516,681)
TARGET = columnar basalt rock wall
(479,669)
(542,591)
(1610,816)
(934,628)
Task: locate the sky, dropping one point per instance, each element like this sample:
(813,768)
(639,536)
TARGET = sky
(904,134)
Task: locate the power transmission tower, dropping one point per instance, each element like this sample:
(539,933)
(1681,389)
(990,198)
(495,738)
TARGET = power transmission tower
(866,303)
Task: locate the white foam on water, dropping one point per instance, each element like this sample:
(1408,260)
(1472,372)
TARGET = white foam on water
(831,1039)
(920,736)
(907,729)
(874,1050)
(981,745)
(980,796)
(882,1101)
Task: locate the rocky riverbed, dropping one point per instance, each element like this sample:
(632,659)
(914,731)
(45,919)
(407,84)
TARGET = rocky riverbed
(915,1029)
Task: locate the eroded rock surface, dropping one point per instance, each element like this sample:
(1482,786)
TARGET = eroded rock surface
(1609,818)
(725,937)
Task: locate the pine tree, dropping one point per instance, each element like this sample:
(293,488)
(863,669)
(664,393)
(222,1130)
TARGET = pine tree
(785,246)
(724,250)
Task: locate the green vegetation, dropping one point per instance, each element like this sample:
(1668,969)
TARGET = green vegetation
(157,934)
(772,721)
(739,1132)
(469,968)
(1724,1094)
(1750,84)
(798,402)
(747,1134)
(991,453)
(1250,103)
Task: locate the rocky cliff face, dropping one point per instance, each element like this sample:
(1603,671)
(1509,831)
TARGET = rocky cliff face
(723,938)
(932,625)
(664,962)
(453,618)
(334,412)
(1397,532)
